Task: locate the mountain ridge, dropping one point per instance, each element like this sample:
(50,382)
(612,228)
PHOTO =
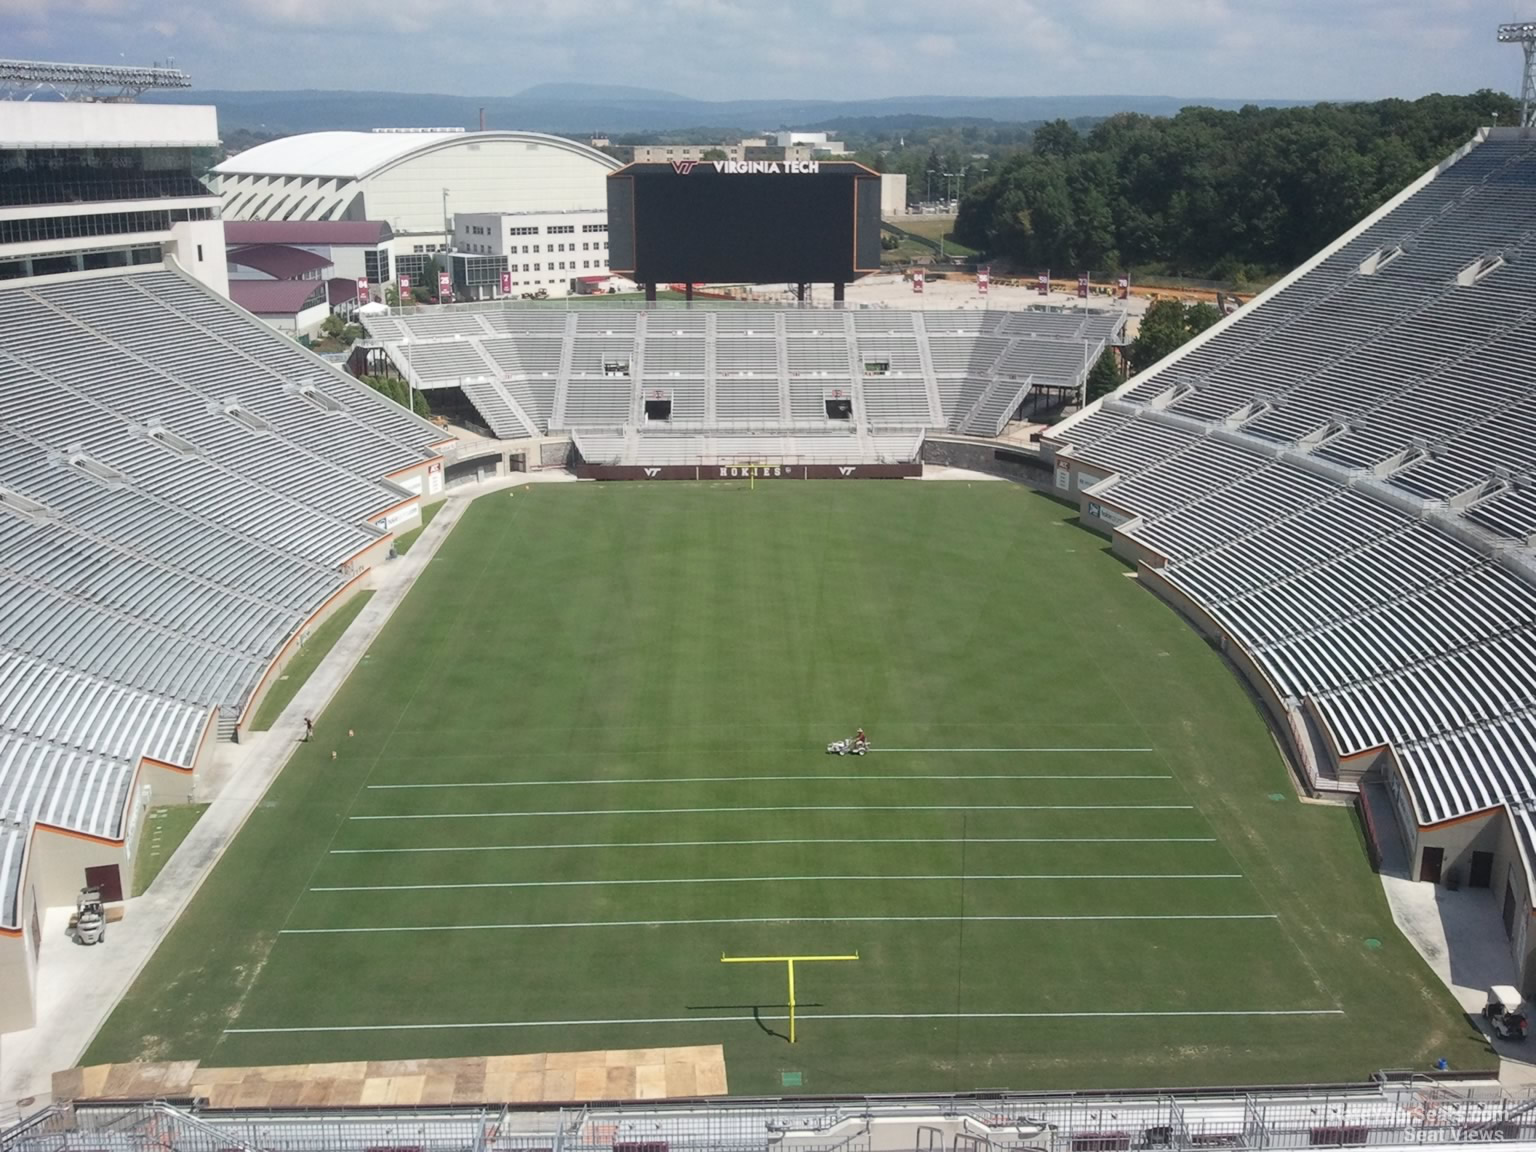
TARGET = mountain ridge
(582,109)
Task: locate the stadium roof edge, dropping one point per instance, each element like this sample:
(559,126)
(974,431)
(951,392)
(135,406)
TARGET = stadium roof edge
(357,155)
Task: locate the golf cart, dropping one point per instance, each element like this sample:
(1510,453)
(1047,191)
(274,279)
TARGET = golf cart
(90,917)
(1505,1014)
(852,745)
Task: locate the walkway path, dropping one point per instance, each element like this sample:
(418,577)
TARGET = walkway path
(78,987)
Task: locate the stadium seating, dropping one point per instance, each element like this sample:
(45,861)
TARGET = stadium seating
(1339,478)
(181,489)
(730,369)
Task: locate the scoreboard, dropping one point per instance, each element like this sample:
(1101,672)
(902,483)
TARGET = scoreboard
(744,222)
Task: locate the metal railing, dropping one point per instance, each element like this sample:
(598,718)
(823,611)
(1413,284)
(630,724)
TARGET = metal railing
(1350,1116)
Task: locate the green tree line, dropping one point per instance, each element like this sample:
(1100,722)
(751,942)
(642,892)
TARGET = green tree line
(1233,196)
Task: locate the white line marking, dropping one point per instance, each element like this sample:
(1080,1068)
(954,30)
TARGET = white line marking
(817,778)
(768,920)
(811,840)
(882,748)
(798,808)
(765,880)
(804,1015)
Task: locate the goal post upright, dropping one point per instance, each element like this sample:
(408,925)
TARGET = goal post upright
(789,964)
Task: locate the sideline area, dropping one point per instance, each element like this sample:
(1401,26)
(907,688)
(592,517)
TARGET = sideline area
(78,987)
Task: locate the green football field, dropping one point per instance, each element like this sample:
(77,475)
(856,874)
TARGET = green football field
(589,759)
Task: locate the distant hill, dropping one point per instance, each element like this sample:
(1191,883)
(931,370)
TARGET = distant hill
(580,109)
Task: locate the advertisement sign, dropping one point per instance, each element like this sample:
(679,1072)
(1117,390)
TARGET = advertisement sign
(983,281)
(918,278)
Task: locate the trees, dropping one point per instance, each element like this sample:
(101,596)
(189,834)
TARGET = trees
(713,154)
(1209,193)
(1167,325)
(398,391)
(1106,374)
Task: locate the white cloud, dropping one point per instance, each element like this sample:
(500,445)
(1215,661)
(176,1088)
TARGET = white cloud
(726,49)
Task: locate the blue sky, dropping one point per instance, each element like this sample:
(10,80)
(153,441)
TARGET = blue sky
(836,49)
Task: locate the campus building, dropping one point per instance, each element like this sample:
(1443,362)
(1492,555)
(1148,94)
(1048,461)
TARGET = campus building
(414,182)
(93,186)
(498,254)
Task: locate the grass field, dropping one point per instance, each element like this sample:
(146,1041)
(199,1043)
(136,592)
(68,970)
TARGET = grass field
(308,658)
(589,759)
(164,830)
(407,540)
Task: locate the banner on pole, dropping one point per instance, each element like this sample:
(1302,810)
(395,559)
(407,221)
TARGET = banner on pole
(1044,284)
(444,288)
(1082,287)
(918,279)
(983,281)
(362,289)
(1123,288)
(405,288)
(506,283)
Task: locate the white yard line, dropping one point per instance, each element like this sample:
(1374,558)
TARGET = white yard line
(884,749)
(769,880)
(795,808)
(769,920)
(806,840)
(808,778)
(803,1014)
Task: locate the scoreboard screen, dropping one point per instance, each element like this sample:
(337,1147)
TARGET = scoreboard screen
(744,222)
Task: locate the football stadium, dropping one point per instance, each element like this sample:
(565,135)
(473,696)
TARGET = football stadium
(739,741)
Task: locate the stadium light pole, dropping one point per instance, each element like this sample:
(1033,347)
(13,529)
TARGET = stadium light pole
(410,388)
(1524,34)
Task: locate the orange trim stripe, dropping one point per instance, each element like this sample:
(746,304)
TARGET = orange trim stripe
(40,826)
(150,760)
(292,640)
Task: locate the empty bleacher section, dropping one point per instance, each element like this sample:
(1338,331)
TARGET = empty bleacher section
(745,369)
(182,489)
(1337,485)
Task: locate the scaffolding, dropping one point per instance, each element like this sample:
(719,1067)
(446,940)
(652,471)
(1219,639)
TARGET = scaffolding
(85,83)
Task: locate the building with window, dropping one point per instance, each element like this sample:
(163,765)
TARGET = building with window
(412,181)
(557,252)
(93,186)
(352,249)
(796,147)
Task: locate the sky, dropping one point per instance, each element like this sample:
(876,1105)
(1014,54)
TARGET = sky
(821,49)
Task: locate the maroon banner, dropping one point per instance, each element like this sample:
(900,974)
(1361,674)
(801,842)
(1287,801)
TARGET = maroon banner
(362,289)
(506,283)
(1082,287)
(1123,288)
(983,280)
(1044,284)
(918,279)
(405,288)
(444,288)
(743,472)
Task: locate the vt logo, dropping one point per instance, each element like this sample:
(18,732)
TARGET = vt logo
(847,470)
(683,167)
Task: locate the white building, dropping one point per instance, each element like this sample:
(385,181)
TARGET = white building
(89,186)
(817,142)
(412,181)
(557,252)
